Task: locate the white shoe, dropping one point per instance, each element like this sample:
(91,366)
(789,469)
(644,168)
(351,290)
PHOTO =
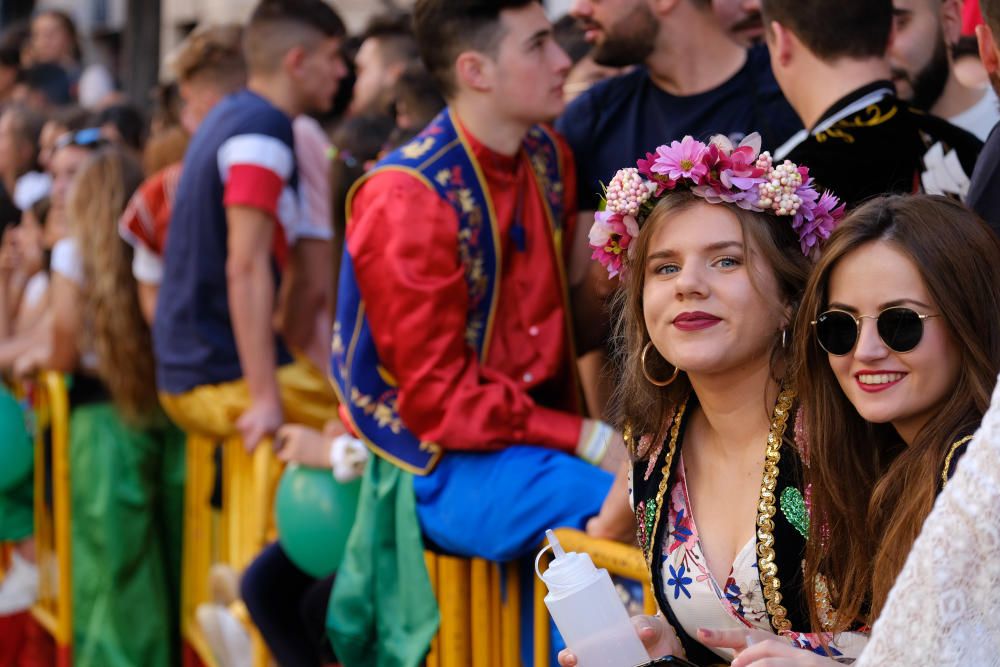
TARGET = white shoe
(226,636)
(19,587)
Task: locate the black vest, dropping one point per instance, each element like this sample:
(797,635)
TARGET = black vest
(786,602)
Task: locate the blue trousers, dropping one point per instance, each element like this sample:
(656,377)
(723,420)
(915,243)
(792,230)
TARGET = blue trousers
(498,505)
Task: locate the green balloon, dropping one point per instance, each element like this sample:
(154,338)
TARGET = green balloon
(315,513)
(17,455)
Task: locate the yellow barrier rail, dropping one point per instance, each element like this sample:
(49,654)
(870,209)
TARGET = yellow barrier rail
(617,558)
(480,617)
(54,608)
(233,536)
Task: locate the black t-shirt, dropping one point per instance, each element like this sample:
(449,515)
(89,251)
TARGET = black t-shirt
(984,193)
(870,143)
(619,120)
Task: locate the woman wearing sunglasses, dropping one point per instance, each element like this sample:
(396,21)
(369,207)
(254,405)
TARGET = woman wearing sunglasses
(899,345)
(714,245)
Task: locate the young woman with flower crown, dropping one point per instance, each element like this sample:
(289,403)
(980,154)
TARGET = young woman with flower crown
(713,243)
(899,352)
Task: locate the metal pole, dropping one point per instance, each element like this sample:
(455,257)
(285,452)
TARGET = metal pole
(141,52)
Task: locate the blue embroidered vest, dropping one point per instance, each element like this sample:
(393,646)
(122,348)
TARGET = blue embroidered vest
(440,157)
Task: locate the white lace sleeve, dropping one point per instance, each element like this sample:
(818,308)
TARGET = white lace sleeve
(943,609)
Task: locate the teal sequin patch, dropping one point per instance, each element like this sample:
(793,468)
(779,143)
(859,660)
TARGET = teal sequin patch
(793,506)
(645,514)
(650,519)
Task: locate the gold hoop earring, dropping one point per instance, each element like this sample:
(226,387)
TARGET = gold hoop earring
(649,378)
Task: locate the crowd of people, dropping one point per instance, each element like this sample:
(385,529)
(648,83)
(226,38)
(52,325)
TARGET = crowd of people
(732,259)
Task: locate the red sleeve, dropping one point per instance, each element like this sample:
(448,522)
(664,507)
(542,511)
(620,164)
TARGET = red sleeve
(403,240)
(255,169)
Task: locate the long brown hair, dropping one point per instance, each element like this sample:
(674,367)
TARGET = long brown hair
(114,323)
(637,402)
(871,492)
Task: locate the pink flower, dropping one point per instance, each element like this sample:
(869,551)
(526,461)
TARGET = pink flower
(743,172)
(817,217)
(682,159)
(610,237)
(663,183)
(716,161)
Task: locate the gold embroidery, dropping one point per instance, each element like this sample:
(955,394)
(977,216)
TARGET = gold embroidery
(947,459)
(766,509)
(418,148)
(337,344)
(675,430)
(466,201)
(870,117)
(443,177)
(821,594)
(386,376)
(384,413)
(835,133)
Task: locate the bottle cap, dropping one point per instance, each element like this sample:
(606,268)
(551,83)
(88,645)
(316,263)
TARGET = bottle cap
(567,570)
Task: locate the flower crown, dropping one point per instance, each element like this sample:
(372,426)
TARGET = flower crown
(718,172)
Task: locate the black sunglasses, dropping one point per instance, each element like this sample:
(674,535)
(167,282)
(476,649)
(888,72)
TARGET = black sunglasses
(900,328)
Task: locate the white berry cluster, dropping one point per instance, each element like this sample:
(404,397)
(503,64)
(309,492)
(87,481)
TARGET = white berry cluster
(627,193)
(778,192)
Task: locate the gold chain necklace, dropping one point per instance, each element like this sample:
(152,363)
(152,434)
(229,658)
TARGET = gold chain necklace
(766,507)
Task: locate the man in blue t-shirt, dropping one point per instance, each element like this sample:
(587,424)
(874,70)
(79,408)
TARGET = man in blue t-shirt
(692,78)
(220,363)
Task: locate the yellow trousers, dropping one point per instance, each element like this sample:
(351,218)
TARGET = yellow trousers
(212,410)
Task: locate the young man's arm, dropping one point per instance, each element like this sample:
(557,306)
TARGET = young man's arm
(250,287)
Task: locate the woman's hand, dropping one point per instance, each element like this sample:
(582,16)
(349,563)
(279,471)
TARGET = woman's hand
(756,648)
(657,636)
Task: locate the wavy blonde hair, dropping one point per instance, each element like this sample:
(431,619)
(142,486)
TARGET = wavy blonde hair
(115,328)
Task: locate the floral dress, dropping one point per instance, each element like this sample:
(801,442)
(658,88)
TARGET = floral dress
(699,601)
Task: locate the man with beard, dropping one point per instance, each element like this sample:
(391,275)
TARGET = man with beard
(830,58)
(387,47)
(984,196)
(691,79)
(741,19)
(922,65)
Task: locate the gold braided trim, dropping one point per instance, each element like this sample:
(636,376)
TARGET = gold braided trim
(766,510)
(675,430)
(947,459)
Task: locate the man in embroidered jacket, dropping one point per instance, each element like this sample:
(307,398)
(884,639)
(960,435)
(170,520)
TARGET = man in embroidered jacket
(503,451)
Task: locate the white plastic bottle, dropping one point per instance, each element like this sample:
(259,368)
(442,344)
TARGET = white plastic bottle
(588,612)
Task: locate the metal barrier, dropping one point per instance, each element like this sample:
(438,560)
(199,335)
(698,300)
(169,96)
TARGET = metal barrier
(480,615)
(615,557)
(233,536)
(54,608)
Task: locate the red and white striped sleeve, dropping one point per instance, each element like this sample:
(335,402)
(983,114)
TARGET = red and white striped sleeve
(255,169)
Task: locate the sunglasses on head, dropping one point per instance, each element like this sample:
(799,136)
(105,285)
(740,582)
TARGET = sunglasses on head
(900,328)
(90,137)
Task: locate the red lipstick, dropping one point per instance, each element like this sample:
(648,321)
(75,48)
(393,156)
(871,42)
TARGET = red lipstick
(695,321)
